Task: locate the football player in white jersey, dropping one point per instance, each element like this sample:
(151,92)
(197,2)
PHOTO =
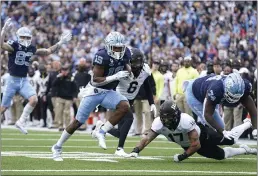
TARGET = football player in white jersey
(182,129)
(42,82)
(130,88)
(164,69)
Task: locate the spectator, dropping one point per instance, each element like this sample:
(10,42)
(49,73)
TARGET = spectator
(66,92)
(187,72)
(159,82)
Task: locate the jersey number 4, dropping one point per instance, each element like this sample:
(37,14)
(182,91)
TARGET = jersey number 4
(132,87)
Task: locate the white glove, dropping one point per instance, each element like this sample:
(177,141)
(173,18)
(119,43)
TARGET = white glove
(121,74)
(154,109)
(65,37)
(229,134)
(176,158)
(133,154)
(8,24)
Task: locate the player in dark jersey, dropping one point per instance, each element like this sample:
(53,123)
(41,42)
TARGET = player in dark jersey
(110,65)
(204,94)
(20,53)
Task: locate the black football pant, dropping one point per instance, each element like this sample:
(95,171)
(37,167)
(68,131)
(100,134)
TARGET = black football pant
(123,128)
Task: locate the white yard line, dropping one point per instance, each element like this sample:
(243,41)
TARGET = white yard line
(76,146)
(75,140)
(138,171)
(90,154)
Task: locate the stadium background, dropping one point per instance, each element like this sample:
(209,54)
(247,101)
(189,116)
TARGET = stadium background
(220,33)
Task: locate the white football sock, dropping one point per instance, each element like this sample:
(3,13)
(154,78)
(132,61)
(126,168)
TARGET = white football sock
(107,126)
(64,137)
(240,129)
(230,151)
(26,112)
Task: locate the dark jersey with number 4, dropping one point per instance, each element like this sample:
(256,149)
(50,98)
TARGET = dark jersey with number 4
(111,65)
(20,59)
(212,85)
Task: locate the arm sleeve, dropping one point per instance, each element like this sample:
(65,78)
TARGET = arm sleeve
(152,84)
(147,88)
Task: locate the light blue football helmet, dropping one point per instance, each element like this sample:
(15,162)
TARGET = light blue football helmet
(234,87)
(115,40)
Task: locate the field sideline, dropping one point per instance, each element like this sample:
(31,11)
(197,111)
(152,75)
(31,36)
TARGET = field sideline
(30,155)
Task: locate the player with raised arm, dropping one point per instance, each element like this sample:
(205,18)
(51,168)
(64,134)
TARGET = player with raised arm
(204,95)
(20,53)
(181,128)
(110,65)
(130,88)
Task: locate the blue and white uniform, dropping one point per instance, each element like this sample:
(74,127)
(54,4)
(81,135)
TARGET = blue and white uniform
(211,87)
(105,94)
(17,82)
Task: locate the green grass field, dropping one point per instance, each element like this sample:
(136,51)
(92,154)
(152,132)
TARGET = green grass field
(30,155)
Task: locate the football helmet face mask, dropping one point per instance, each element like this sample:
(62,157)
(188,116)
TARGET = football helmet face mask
(137,61)
(234,87)
(115,45)
(24,36)
(170,115)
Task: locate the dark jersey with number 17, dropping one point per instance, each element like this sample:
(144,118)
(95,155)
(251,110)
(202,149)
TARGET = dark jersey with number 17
(111,65)
(20,59)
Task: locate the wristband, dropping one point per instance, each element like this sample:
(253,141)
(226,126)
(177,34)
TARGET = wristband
(136,150)
(182,156)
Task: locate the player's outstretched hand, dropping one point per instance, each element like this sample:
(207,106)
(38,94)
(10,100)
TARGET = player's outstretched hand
(8,25)
(65,37)
(229,134)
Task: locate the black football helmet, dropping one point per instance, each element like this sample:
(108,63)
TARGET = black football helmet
(170,114)
(137,61)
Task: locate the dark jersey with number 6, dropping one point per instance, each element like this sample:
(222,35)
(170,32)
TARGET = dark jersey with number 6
(20,59)
(111,65)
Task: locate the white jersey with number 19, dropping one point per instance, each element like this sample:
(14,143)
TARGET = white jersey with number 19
(180,134)
(130,88)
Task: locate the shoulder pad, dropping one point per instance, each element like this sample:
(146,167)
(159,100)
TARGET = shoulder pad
(146,68)
(156,124)
(187,122)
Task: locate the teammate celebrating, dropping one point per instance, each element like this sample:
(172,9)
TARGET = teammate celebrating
(110,65)
(20,53)
(130,88)
(182,129)
(204,94)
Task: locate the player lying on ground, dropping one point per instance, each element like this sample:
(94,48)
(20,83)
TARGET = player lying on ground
(203,95)
(110,64)
(130,88)
(20,53)
(182,129)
